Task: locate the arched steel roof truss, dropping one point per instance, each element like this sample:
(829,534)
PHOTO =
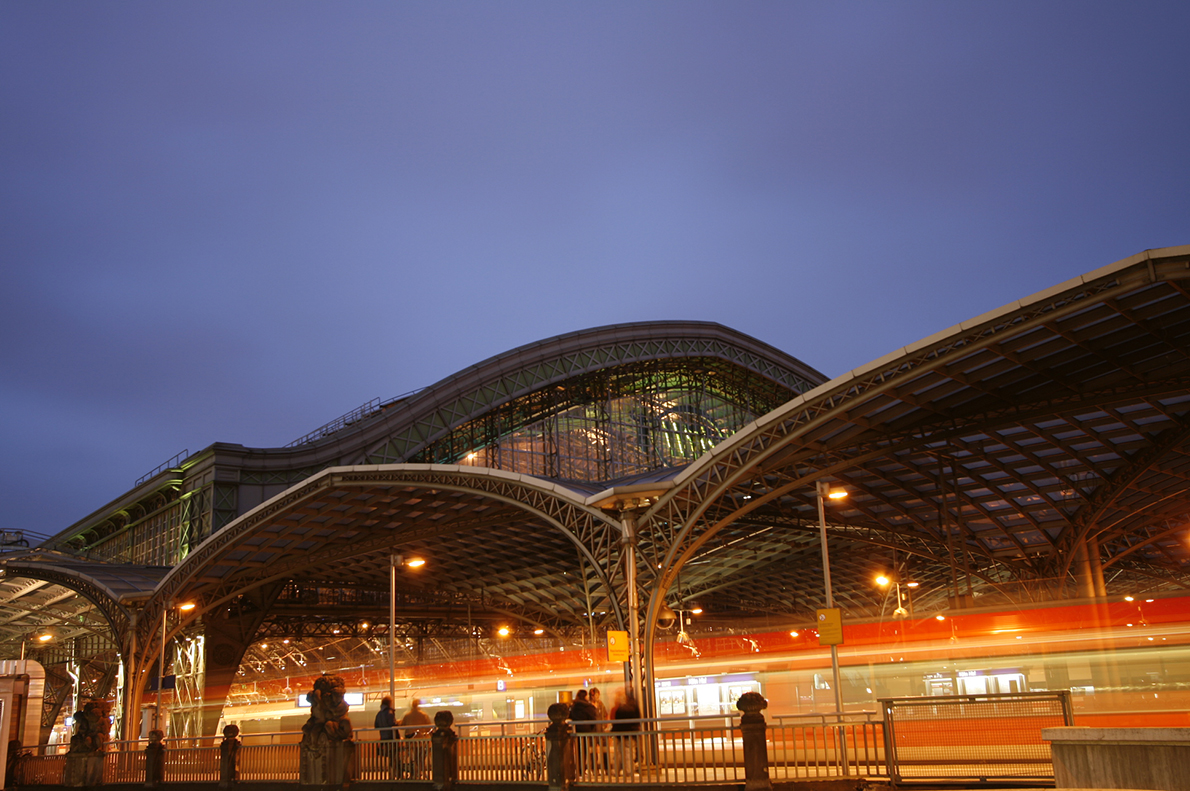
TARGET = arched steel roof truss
(1004,442)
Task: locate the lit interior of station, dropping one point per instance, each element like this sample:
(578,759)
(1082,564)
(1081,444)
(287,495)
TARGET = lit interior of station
(1017,496)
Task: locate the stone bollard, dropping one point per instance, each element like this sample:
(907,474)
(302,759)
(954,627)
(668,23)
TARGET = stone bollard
(444,747)
(84,762)
(155,759)
(756,754)
(559,758)
(229,748)
(327,751)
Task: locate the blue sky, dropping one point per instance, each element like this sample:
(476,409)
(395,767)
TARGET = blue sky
(234,222)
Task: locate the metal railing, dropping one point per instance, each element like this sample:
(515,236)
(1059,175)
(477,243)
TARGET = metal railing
(984,737)
(973,737)
(690,750)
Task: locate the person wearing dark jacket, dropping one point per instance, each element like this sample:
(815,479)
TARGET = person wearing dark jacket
(625,725)
(385,720)
(583,715)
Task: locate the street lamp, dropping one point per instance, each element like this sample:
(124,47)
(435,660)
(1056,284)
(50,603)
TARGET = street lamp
(395,560)
(825,492)
(42,638)
(883,581)
(911,586)
(184,607)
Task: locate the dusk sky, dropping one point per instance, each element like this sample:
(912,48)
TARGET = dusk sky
(234,222)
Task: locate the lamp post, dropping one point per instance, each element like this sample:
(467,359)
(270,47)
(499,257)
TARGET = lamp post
(826,493)
(395,560)
(900,611)
(42,637)
(185,607)
(910,586)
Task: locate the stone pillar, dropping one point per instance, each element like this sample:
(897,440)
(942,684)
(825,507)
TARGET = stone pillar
(444,747)
(84,762)
(756,754)
(327,750)
(229,750)
(559,757)
(155,759)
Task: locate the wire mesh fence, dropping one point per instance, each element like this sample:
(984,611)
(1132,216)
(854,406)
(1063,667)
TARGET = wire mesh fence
(973,737)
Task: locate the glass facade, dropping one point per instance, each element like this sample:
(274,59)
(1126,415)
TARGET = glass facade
(613,424)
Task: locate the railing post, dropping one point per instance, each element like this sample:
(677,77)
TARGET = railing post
(155,759)
(559,758)
(756,752)
(84,762)
(229,750)
(327,750)
(444,746)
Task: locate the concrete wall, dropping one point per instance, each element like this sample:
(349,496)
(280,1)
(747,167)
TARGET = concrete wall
(1132,758)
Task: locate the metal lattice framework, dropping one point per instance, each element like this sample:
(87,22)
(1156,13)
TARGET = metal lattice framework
(993,453)
(538,541)
(432,413)
(1037,452)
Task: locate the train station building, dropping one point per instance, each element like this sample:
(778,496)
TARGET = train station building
(1017,495)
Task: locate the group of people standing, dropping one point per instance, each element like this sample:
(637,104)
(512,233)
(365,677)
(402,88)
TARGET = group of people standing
(410,762)
(589,715)
(595,756)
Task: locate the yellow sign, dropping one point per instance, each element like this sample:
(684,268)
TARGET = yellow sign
(617,646)
(830,626)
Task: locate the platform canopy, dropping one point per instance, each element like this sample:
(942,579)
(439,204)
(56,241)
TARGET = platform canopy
(1036,453)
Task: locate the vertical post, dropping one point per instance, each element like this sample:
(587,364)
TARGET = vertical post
(752,730)
(823,491)
(444,752)
(559,757)
(160,673)
(628,545)
(129,698)
(392,627)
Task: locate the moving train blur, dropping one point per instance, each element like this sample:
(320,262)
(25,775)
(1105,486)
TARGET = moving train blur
(1125,662)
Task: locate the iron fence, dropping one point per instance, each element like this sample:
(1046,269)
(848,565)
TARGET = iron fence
(973,737)
(980,737)
(690,750)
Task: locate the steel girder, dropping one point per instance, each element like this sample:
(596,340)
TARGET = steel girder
(986,441)
(362,514)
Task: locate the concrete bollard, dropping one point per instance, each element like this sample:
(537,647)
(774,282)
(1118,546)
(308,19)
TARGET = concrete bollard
(756,753)
(229,750)
(444,746)
(559,757)
(155,759)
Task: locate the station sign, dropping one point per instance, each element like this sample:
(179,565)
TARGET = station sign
(830,626)
(617,646)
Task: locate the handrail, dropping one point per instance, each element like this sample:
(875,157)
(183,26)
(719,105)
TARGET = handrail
(165,465)
(361,412)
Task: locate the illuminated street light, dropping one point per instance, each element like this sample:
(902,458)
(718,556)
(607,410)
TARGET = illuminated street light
(395,560)
(183,607)
(825,492)
(883,581)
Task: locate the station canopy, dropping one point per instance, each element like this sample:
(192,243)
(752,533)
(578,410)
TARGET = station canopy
(1036,453)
